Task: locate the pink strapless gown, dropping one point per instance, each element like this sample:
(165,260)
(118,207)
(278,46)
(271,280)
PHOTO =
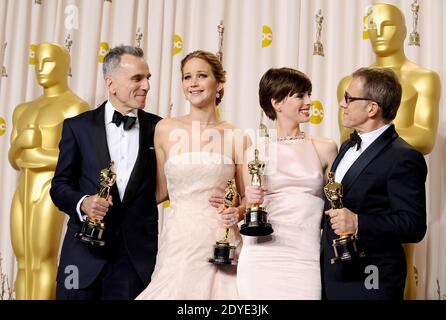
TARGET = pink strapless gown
(285,264)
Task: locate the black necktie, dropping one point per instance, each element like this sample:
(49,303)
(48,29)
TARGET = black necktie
(355,139)
(128,122)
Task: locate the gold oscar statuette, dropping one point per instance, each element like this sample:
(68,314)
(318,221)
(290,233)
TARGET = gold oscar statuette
(36,223)
(345,247)
(223,251)
(414,37)
(318,47)
(256,220)
(92,231)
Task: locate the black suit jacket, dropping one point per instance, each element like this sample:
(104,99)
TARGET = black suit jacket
(83,153)
(386,188)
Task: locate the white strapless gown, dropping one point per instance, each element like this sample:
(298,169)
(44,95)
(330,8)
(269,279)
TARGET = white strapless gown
(190,230)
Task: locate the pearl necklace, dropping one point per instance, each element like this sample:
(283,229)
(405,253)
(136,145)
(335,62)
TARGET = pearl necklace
(300,136)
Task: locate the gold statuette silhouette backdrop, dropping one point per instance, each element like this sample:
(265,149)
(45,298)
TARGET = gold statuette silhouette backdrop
(417,117)
(36,224)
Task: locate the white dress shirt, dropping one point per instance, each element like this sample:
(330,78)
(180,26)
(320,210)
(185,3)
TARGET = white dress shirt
(123,146)
(351,155)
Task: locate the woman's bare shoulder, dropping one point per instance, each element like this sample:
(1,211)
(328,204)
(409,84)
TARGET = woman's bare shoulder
(325,146)
(170,123)
(323,140)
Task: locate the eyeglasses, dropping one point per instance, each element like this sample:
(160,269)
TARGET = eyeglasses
(348,98)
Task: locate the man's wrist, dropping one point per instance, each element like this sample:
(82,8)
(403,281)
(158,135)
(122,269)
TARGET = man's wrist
(81,214)
(83,209)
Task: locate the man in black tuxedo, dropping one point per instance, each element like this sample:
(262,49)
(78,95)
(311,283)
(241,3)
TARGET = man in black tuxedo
(121,131)
(384,200)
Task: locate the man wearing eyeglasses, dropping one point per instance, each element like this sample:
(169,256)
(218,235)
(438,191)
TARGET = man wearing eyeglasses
(383,179)
(418,116)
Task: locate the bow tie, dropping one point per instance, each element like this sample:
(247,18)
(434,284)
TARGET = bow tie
(355,139)
(128,122)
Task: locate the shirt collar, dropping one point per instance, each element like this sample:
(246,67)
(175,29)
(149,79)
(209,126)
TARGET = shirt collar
(367,138)
(109,110)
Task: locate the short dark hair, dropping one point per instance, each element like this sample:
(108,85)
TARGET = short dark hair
(382,86)
(216,67)
(280,83)
(113,57)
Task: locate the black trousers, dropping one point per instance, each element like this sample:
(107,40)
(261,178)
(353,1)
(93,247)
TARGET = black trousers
(118,280)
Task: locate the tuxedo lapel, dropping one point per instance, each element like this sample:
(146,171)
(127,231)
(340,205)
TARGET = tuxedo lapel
(143,155)
(344,147)
(99,137)
(368,155)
